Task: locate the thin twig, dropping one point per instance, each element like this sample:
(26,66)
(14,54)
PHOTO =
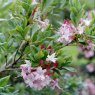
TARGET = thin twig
(14,62)
(6,60)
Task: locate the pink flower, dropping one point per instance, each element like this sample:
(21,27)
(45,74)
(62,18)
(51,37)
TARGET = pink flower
(66,32)
(89,87)
(87,50)
(43,24)
(38,79)
(35,77)
(88,53)
(54,84)
(26,68)
(90,67)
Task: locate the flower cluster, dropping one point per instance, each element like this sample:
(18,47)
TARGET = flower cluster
(37,77)
(89,87)
(90,67)
(66,32)
(42,75)
(87,50)
(83,23)
(51,61)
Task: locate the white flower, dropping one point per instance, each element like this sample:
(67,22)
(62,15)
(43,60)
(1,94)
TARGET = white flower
(51,58)
(34,2)
(27,62)
(81,26)
(80,29)
(87,22)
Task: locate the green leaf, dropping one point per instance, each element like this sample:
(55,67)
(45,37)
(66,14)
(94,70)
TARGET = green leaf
(20,30)
(39,55)
(76,11)
(26,6)
(60,60)
(7,6)
(24,23)
(63,2)
(4,81)
(34,37)
(70,69)
(47,5)
(56,75)
(27,31)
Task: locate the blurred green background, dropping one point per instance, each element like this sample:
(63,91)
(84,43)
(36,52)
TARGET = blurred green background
(90,4)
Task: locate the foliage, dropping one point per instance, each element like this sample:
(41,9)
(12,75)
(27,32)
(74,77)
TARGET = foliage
(30,33)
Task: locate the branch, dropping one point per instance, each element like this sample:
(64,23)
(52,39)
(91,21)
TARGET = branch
(11,60)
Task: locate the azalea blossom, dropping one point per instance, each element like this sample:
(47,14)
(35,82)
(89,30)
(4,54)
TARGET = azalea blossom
(83,22)
(87,50)
(54,84)
(43,24)
(26,68)
(66,32)
(88,53)
(38,79)
(90,67)
(51,58)
(89,87)
(35,77)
